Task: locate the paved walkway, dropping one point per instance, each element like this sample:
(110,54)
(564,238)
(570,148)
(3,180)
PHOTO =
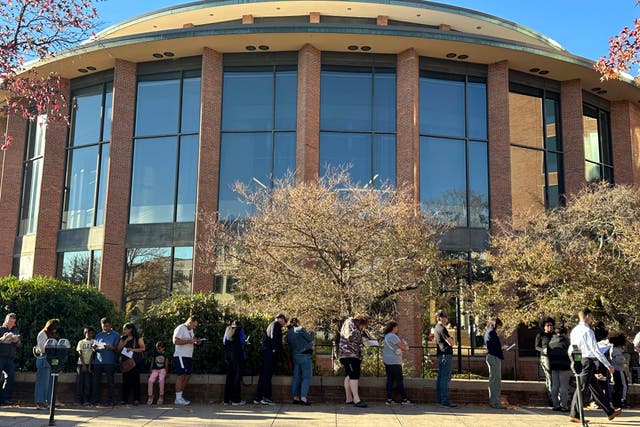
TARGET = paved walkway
(377,415)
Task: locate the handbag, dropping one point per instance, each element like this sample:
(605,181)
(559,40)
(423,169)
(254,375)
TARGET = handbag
(127,364)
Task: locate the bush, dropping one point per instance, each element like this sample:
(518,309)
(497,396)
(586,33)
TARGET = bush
(42,298)
(160,320)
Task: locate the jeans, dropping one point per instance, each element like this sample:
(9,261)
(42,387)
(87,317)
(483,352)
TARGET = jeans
(394,374)
(268,366)
(546,369)
(43,381)
(98,370)
(302,371)
(560,388)
(83,385)
(7,365)
(495,379)
(160,375)
(444,377)
(588,381)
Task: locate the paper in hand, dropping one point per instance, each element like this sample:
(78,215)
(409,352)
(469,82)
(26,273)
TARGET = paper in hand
(511,346)
(127,353)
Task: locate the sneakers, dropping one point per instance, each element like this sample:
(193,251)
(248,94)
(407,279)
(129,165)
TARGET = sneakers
(615,413)
(181,401)
(241,403)
(411,402)
(360,404)
(557,409)
(160,400)
(257,402)
(390,402)
(267,401)
(150,400)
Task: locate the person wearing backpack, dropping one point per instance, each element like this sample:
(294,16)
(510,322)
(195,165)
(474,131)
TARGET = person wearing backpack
(560,366)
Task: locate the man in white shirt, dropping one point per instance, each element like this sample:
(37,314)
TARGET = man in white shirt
(636,343)
(184,339)
(584,339)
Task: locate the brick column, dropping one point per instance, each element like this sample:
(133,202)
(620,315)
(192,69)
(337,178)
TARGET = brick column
(499,149)
(625,133)
(572,136)
(10,190)
(407,122)
(51,190)
(308,114)
(208,165)
(119,181)
(407,176)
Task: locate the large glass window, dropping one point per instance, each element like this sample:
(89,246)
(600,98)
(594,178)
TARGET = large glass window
(87,157)
(80,267)
(358,123)
(165,152)
(597,144)
(454,175)
(152,274)
(32,175)
(258,132)
(536,150)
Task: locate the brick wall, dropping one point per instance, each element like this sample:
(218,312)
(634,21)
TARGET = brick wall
(572,135)
(308,112)
(625,142)
(407,127)
(16,127)
(119,181)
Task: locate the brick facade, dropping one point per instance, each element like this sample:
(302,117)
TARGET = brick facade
(572,135)
(51,193)
(119,182)
(11,189)
(308,113)
(625,137)
(208,163)
(499,142)
(407,127)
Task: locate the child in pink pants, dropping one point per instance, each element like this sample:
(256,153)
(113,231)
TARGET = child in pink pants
(159,367)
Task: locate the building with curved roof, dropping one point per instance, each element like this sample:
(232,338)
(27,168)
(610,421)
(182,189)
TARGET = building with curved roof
(480,116)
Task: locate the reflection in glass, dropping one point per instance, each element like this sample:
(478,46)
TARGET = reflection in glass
(157,107)
(182,270)
(525,124)
(346,100)
(527,182)
(591,139)
(351,150)
(477,105)
(384,106)
(284,154)
(187,179)
(190,105)
(592,171)
(554,176)
(32,178)
(82,170)
(96,262)
(102,184)
(442,107)
(247,94)
(597,144)
(478,185)
(80,267)
(86,118)
(286,88)
(108,113)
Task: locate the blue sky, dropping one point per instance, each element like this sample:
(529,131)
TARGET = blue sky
(583,27)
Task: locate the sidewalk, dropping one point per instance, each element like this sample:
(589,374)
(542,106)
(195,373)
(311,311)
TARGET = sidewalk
(377,415)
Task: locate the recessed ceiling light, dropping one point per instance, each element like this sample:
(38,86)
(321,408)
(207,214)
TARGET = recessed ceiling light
(169,54)
(595,89)
(250,47)
(263,47)
(158,55)
(352,47)
(534,69)
(211,14)
(450,55)
(365,48)
(277,8)
(478,27)
(602,92)
(83,70)
(155,26)
(348,8)
(463,56)
(543,72)
(418,15)
(91,68)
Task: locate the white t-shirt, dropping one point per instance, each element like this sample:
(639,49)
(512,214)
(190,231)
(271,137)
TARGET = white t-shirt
(184,333)
(636,342)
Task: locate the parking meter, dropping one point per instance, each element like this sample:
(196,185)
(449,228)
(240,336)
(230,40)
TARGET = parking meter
(576,367)
(56,352)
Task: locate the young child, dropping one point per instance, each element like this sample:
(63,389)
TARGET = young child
(619,395)
(85,360)
(159,368)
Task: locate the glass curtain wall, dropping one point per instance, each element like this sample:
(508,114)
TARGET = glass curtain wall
(454,176)
(87,166)
(152,274)
(80,267)
(536,149)
(358,123)
(598,164)
(165,151)
(258,141)
(32,175)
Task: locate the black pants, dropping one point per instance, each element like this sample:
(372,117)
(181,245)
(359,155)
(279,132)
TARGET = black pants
(98,370)
(264,383)
(131,385)
(394,374)
(233,382)
(588,381)
(83,385)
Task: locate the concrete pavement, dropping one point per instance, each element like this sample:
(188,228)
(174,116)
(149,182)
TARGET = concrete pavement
(330,415)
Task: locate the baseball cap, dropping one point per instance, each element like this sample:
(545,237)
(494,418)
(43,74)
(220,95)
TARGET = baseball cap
(441,313)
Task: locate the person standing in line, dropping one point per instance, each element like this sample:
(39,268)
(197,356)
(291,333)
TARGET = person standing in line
(583,339)
(9,341)
(159,369)
(301,347)
(271,350)
(234,356)
(392,350)
(560,365)
(542,341)
(42,392)
(105,347)
(84,367)
(184,339)
(494,359)
(134,343)
(620,382)
(350,351)
(444,352)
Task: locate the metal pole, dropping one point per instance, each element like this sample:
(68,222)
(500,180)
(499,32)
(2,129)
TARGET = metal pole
(458,328)
(52,407)
(583,422)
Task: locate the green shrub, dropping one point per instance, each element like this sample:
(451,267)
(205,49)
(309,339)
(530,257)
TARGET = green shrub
(42,298)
